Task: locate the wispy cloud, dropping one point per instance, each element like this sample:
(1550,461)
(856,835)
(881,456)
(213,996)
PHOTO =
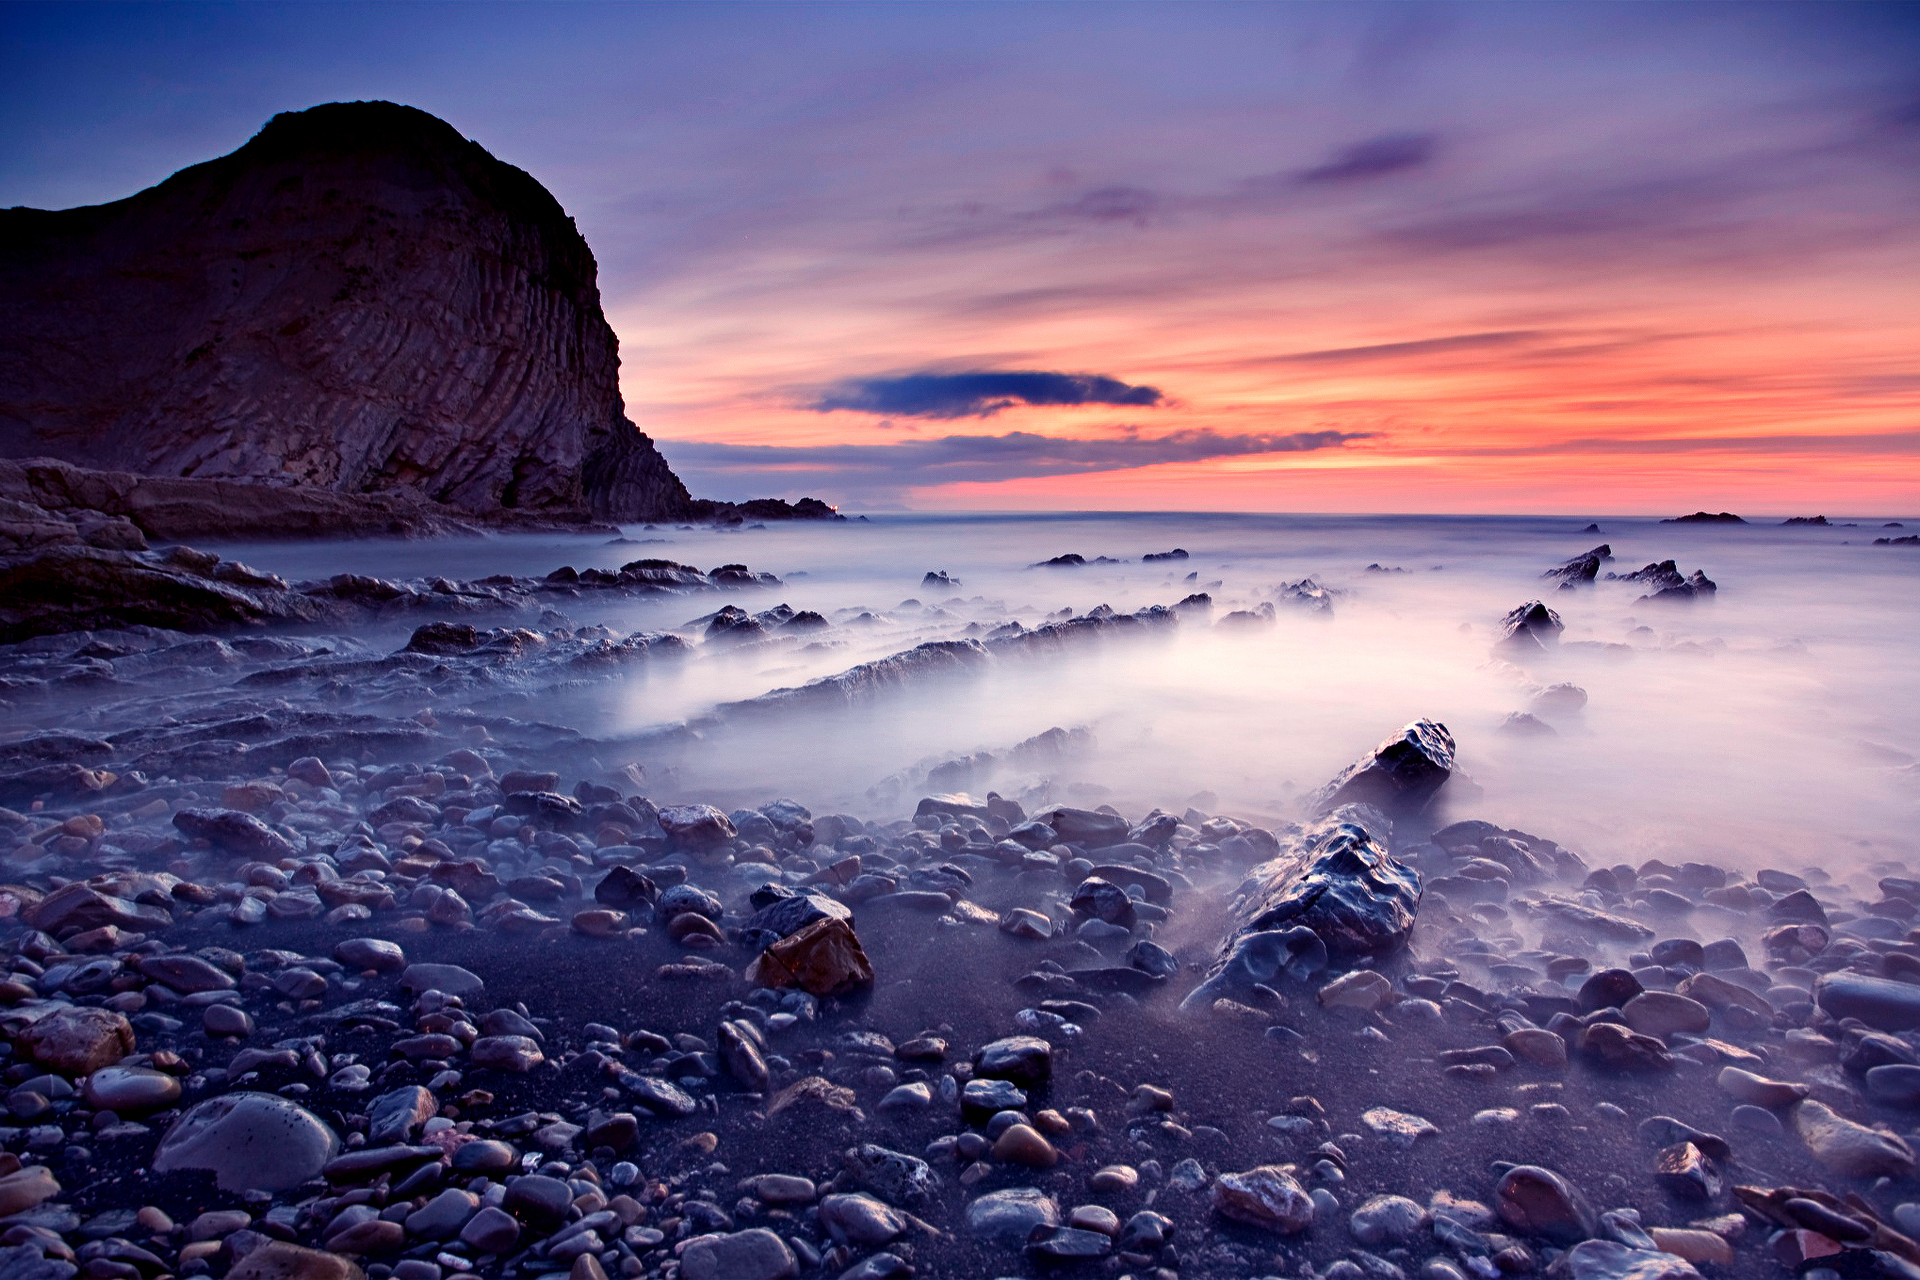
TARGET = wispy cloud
(841,469)
(1375,158)
(979,394)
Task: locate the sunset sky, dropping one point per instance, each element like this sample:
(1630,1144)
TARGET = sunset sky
(1607,258)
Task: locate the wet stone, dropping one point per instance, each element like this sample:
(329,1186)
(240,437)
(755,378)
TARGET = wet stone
(515,1054)
(982,1098)
(1539,1202)
(131,1090)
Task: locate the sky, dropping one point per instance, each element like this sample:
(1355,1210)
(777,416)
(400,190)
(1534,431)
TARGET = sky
(1582,258)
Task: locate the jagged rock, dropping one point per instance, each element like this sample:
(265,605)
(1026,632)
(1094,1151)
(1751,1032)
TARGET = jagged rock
(1706,517)
(1528,630)
(77,587)
(1584,567)
(1334,891)
(1400,776)
(823,959)
(1667,583)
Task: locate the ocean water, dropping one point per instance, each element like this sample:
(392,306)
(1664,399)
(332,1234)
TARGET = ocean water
(1775,723)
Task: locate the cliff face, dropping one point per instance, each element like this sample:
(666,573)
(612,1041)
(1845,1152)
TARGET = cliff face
(358,299)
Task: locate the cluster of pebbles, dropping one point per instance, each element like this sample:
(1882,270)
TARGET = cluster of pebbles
(379,1010)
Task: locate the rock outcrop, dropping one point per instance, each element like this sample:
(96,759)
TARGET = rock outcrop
(358,300)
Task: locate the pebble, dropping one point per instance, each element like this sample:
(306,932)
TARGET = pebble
(131,1090)
(1539,1202)
(1022,1144)
(754,1254)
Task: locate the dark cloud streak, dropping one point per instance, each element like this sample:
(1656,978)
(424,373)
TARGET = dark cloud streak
(1376,158)
(979,394)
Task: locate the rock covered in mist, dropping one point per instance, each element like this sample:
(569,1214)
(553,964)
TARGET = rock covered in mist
(1584,567)
(1399,777)
(1528,630)
(1333,895)
(1666,584)
(1706,517)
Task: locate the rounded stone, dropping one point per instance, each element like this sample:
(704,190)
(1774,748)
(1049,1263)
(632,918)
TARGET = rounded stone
(222,1020)
(249,1142)
(860,1220)
(1022,1144)
(485,1155)
(1662,1013)
(1387,1220)
(1008,1217)
(131,1090)
(756,1254)
(1539,1202)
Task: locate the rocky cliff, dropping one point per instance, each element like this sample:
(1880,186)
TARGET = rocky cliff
(358,300)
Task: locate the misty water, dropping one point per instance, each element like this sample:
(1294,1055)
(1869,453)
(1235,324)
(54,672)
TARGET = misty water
(1771,724)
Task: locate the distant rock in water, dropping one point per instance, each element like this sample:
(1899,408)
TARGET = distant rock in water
(1817,521)
(1529,629)
(358,300)
(1584,567)
(1068,561)
(1153,556)
(1591,528)
(1706,517)
(1910,540)
(1668,584)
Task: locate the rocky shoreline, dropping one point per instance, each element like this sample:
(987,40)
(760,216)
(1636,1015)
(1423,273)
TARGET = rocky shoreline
(491,1023)
(330,957)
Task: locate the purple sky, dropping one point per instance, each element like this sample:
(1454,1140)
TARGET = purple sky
(1401,251)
